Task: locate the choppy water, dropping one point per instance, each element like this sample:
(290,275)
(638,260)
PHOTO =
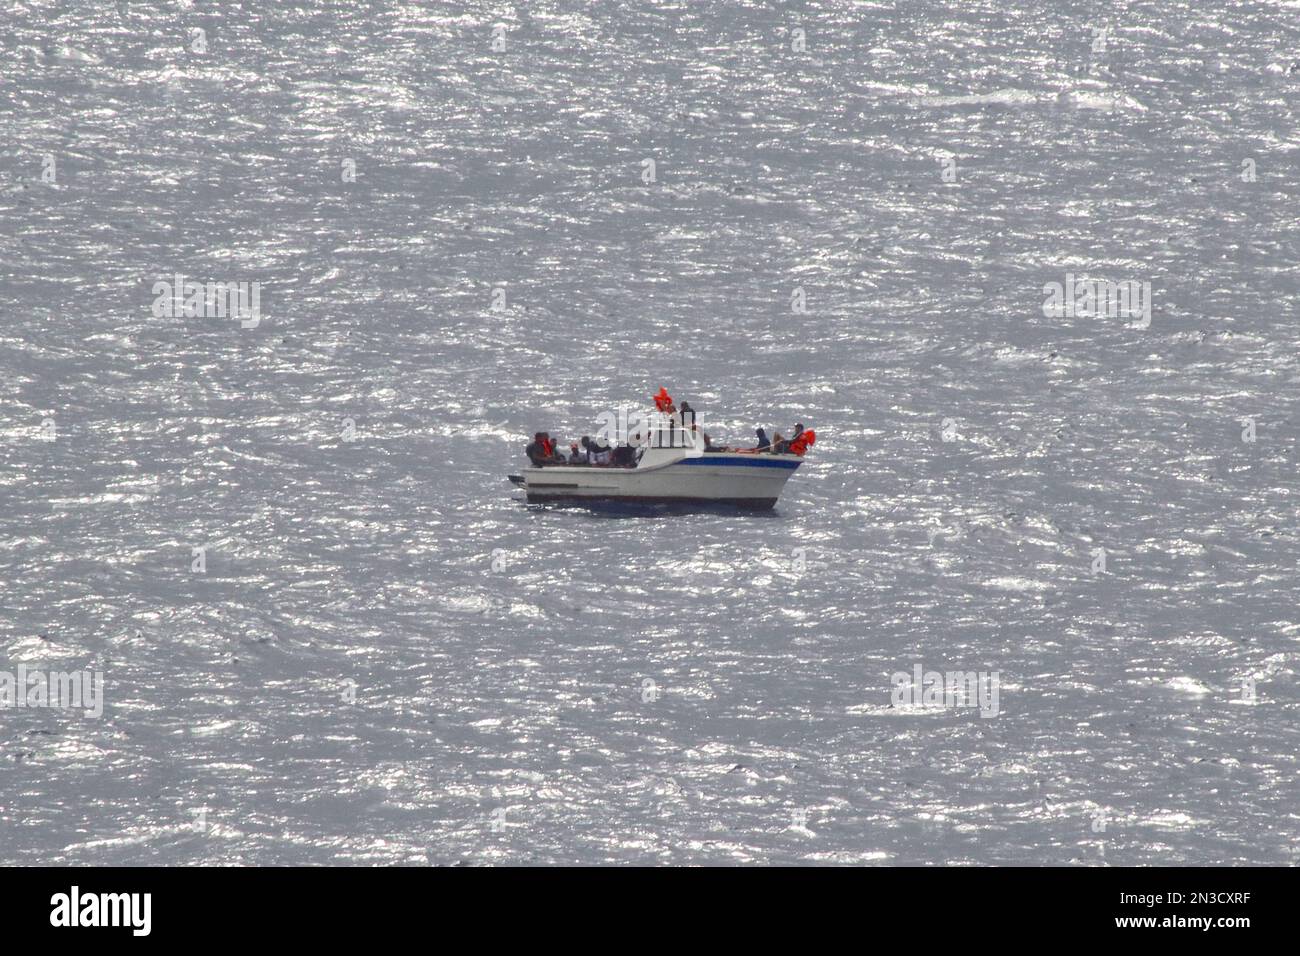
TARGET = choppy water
(503,715)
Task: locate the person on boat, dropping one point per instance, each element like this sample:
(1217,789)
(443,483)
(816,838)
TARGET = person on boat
(576,457)
(597,454)
(763,443)
(664,401)
(781,446)
(536,451)
(551,453)
(802,442)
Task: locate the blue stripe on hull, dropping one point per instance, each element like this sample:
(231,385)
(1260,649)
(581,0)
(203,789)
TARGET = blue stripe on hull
(755,462)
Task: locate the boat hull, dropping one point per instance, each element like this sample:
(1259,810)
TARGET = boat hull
(734,480)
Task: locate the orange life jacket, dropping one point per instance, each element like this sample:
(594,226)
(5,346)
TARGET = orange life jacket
(802,441)
(548,448)
(663,400)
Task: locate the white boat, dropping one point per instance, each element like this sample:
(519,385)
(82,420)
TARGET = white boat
(733,478)
(667,475)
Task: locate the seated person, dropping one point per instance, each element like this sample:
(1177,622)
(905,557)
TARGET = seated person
(576,457)
(553,455)
(779,444)
(536,451)
(763,443)
(597,454)
(798,430)
(802,442)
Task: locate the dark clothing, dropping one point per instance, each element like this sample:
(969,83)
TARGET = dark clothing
(594,448)
(763,443)
(536,454)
